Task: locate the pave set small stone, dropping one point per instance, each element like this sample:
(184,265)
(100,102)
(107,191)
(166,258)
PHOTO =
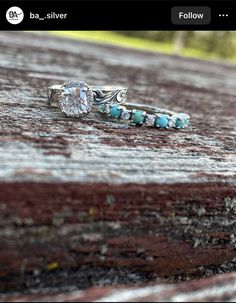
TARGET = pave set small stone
(139,117)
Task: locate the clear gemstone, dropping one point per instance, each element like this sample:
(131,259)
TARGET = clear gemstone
(77,99)
(108,108)
(172,121)
(150,120)
(125,115)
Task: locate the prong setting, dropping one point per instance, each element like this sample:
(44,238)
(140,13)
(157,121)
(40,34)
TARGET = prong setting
(151,116)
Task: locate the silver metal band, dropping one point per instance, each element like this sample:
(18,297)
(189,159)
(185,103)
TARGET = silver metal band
(101,95)
(149,109)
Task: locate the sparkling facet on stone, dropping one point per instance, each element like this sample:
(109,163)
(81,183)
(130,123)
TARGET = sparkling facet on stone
(172,121)
(77,99)
(125,114)
(150,120)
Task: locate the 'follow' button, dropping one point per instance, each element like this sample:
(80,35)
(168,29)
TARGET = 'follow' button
(197,15)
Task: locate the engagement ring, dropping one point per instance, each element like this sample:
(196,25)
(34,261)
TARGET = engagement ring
(77,98)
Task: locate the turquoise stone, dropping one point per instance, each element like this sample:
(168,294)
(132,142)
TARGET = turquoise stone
(138,117)
(102,108)
(115,111)
(182,122)
(162,121)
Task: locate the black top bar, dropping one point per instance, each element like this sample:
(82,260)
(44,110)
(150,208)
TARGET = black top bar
(120,15)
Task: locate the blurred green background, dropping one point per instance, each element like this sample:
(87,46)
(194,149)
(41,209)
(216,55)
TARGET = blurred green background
(209,45)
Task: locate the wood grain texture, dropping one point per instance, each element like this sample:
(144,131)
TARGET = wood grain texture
(80,198)
(221,288)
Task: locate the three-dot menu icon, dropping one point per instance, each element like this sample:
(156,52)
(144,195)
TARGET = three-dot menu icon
(223,15)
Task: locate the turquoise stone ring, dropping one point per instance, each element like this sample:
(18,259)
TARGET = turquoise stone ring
(140,114)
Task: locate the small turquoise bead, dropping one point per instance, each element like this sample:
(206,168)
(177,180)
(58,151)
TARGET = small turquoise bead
(162,121)
(138,117)
(181,123)
(115,111)
(102,108)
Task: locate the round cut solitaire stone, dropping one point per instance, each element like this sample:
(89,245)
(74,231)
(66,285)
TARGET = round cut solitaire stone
(76,99)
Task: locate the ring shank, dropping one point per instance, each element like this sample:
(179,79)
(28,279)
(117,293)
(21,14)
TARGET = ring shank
(149,109)
(102,95)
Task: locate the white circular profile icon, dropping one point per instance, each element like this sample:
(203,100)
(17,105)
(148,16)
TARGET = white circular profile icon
(14,15)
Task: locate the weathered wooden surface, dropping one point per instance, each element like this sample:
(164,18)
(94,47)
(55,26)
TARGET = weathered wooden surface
(88,202)
(221,288)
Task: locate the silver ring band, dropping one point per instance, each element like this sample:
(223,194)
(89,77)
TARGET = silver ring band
(150,109)
(101,94)
(142,114)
